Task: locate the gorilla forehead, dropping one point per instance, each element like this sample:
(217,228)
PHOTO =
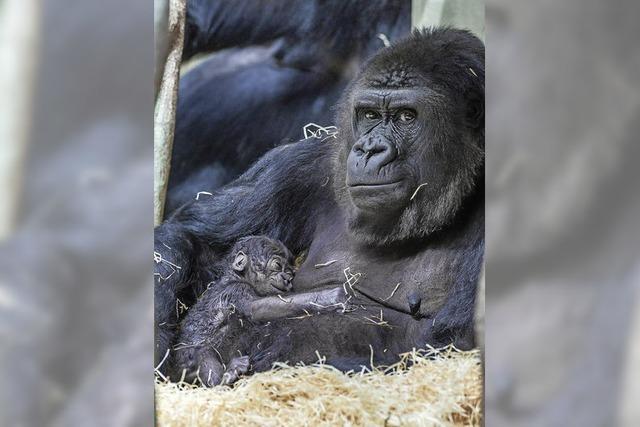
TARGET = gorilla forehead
(442,54)
(393,76)
(260,247)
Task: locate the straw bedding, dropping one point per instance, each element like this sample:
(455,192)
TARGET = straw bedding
(426,388)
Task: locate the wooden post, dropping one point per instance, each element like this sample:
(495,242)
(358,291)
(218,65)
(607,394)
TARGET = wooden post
(629,412)
(19,22)
(166,102)
(464,14)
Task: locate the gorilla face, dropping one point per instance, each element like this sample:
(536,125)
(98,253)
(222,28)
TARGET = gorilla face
(389,127)
(412,128)
(265,263)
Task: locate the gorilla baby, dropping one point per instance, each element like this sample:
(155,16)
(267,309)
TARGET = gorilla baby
(208,344)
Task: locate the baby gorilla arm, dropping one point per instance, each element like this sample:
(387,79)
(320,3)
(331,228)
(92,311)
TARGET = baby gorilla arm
(279,307)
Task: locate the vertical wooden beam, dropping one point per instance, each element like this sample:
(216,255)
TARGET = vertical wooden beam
(165,108)
(465,14)
(629,412)
(19,23)
(426,13)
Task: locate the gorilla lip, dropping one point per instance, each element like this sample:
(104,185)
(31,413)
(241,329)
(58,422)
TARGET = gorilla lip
(374,184)
(280,286)
(380,191)
(376,196)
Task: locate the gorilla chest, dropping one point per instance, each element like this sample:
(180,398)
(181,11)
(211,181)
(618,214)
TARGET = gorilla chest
(412,281)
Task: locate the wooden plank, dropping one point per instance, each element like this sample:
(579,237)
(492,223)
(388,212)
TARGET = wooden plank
(165,108)
(19,23)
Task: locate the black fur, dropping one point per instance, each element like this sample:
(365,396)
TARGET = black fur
(312,28)
(289,63)
(428,248)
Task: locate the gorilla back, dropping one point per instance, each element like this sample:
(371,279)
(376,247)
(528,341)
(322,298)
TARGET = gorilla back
(393,207)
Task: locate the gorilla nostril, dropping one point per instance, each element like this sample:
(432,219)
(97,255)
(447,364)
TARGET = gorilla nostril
(382,155)
(372,151)
(377,150)
(369,155)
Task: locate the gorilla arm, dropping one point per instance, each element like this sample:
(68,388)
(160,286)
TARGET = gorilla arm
(280,196)
(218,24)
(279,307)
(215,25)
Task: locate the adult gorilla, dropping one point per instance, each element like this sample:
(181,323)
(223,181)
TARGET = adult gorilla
(398,198)
(285,63)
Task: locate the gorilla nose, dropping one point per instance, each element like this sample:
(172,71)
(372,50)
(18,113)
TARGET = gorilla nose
(286,280)
(373,153)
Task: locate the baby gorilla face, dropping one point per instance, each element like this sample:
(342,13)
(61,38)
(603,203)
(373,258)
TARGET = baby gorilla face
(278,273)
(265,263)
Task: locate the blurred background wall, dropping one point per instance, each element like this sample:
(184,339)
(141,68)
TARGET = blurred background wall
(76,188)
(562,252)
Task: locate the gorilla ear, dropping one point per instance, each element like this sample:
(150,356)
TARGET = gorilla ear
(240,262)
(475,112)
(474,97)
(475,116)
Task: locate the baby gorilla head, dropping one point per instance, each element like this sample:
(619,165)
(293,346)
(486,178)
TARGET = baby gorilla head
(263,262)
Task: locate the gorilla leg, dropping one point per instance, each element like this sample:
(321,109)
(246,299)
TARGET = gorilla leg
(210,369)
(237,367)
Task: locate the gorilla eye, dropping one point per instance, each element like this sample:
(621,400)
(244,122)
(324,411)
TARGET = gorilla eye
(407,116)
(371,115)
(275,264)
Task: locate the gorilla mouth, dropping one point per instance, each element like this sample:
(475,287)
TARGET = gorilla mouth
(281,285)
(376,196)
(377,185)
